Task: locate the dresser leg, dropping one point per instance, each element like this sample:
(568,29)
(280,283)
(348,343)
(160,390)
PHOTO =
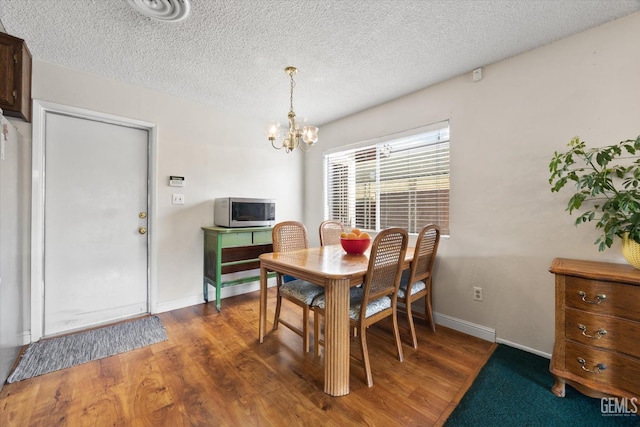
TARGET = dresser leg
(558,387)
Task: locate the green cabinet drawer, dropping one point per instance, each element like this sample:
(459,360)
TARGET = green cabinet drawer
(261,237)
(235,239)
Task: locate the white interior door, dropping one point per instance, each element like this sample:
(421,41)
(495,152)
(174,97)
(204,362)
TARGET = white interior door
(95,220)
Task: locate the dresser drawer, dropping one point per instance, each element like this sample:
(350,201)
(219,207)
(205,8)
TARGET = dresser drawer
(603,331)
(615,369)
(261,237)
(229,240)
(594,296)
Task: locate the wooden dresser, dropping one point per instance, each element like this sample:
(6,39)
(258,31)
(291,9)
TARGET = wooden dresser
(597,329)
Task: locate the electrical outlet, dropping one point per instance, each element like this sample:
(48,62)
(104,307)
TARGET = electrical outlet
(178,199)
(477,293)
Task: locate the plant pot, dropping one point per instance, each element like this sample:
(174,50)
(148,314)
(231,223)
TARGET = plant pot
(631,251)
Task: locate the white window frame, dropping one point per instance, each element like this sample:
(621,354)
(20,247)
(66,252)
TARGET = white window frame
(368,157)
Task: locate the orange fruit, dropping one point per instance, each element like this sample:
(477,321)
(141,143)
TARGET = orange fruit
(365,235)
(355,231)
(352,235)
(343,235)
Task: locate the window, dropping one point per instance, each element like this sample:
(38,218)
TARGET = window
(397,181)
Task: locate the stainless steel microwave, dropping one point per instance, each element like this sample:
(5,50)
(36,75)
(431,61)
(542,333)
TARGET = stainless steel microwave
(241,212)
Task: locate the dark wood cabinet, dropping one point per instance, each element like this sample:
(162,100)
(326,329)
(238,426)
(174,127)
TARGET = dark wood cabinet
(15,77)
(596,349)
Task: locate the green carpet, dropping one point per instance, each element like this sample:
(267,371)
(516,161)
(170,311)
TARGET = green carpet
(514,389)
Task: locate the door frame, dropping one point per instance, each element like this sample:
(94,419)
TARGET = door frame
(40,110)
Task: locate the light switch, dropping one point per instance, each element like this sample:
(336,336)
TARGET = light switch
(178,199)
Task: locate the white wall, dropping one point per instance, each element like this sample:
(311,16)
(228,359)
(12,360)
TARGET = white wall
(219,154)
(14,242)
(506,225)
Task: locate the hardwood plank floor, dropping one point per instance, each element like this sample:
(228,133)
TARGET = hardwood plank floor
(213,372)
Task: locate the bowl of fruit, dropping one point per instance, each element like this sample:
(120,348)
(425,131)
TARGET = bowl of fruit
(355,242)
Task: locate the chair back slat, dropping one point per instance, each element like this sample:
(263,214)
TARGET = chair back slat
(289,236)
(385,264)
(425,253)
(330,231)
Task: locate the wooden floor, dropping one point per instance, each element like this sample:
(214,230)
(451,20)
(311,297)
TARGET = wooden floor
(213,372)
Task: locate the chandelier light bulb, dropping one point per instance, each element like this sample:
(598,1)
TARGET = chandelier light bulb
(273,131)
(310,135)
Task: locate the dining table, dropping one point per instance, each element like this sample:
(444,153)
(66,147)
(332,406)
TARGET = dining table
(331,267)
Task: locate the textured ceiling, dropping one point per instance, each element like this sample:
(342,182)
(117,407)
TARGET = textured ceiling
(351,55)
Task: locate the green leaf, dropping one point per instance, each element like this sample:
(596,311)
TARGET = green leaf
(607,183)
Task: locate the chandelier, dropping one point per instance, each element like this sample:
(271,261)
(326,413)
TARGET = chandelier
(299,134)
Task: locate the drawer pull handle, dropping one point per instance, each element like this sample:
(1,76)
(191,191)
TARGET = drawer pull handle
(599,298)
(598,368)
(599,333)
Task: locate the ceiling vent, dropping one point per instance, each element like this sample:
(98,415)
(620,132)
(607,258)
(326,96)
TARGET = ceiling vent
(162,10)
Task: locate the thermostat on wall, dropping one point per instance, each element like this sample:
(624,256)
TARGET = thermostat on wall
(176,181)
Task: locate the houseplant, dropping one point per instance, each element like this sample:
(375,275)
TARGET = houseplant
(606,180)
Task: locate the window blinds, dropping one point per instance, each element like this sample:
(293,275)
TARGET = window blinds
(392,182)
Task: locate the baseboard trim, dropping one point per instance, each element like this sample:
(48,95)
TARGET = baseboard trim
(230,291)
(460,325)
(468,328)
(177,304)
(524,348)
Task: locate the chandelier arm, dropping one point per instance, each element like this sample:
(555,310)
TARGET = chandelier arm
(274,145)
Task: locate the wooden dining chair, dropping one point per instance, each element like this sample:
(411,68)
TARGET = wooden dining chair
(330,231)
(291,236)
(417,282)
(378,295)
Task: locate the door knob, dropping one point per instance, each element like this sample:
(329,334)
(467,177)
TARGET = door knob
(142,230)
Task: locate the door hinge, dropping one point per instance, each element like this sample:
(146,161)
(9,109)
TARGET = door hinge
(15,58)
(15,94)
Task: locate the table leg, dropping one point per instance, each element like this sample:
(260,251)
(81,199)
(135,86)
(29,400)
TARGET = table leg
(336,330)
(263,303)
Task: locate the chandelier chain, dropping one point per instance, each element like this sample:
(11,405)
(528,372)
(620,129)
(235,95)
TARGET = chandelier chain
(293,84)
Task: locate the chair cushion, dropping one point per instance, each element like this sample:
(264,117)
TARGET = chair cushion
(355,296)
(355,303)
(301,290)
(417,287)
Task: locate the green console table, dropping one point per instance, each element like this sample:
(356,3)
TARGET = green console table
(228,250)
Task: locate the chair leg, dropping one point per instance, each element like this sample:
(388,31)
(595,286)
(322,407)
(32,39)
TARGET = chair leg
(316,331)
(396,332)
(365,356)
(305,329)
(428,309)
(411,325)
(276,318)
